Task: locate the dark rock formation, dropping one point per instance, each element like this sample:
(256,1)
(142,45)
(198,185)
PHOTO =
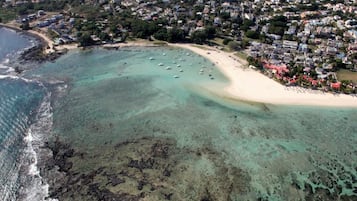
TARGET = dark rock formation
(146,168)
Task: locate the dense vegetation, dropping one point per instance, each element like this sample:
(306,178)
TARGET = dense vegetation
(10,13)
(277,25)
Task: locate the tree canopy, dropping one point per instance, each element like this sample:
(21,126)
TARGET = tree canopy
(277,25)
(85,40)
(143,29)
(199,37)
(252,34)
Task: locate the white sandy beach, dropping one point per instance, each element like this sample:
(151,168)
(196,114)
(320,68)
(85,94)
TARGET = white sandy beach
(45,38)
(50,43)
(250,85)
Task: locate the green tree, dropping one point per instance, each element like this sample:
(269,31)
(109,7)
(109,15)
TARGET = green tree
(247,24)
(225,15)
(233,45)
(278,19)
(210,31)
(338,64)
(276,30)
(143,29)
(22,10)
(199,37)
(104,36)
(25,26)
(245,43)
(255,62)
(226,41)
(85,40)
(252,34)
(278,25)
(176,35)
(161,34)
(237,20)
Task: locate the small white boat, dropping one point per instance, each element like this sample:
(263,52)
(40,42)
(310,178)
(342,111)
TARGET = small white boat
(164,54)
(178,65)
(181,70)
(201,71)
(151,58)
(168,68)
(188,54)
(176,76)
(161,64)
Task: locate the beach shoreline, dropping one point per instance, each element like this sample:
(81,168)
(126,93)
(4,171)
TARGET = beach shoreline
(249,85)
(245,84)
(39,52)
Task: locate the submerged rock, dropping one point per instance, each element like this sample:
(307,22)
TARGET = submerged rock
(114,180)
(149,168)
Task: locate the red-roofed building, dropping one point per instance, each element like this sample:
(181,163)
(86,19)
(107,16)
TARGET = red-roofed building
(280,69)
(314,82)
(292,81)
(336,85)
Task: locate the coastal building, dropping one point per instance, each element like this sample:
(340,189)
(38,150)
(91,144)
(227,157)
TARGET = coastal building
(290,44)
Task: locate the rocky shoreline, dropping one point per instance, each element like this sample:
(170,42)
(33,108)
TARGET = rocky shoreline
(34,55)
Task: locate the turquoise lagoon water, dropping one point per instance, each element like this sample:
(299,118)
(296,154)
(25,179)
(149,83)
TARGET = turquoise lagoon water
(127,117)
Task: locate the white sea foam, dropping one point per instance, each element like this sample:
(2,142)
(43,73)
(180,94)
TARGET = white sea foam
(6,70)
(9,76)
(16,77)
(3,65)
(37,189)
(33,170)
(6,61)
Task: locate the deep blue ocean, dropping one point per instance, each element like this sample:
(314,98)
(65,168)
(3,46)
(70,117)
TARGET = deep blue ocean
(20,99)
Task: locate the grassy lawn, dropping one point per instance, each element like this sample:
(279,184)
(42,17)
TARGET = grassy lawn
(219,42)
(88,10)
(241,55)
(161,43)
(347,75)
(7,14)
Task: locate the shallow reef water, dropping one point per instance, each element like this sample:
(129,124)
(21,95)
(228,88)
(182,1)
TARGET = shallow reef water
(143,124)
